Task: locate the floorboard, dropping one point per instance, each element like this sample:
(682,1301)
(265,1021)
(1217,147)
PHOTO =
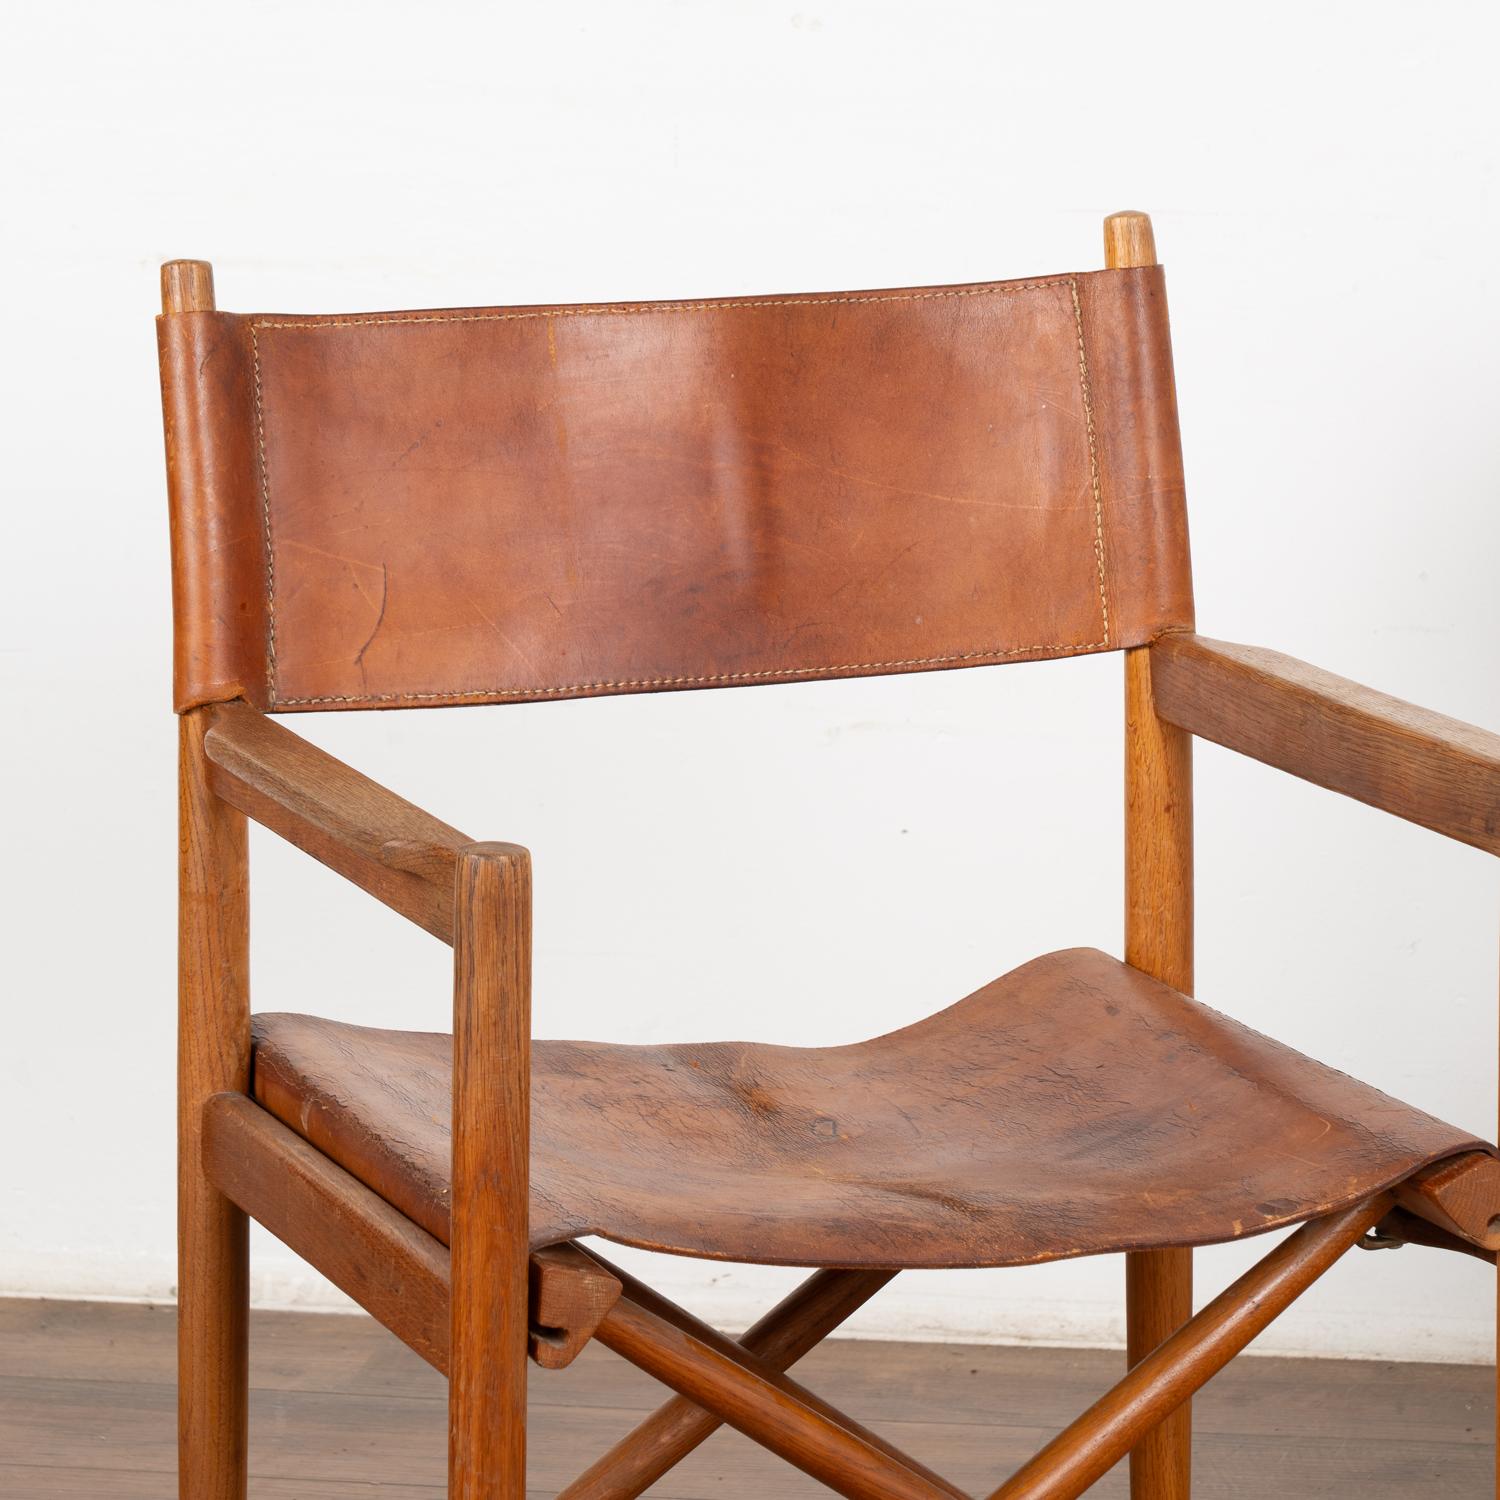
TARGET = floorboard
(340,1409)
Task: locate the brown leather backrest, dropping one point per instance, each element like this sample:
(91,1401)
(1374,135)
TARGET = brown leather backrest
(544,502)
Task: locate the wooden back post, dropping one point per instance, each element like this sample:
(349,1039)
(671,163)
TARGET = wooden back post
(213,1056)
(1158,941)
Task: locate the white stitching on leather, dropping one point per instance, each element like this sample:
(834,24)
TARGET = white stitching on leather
(265,515)
(1070,647)
(638,309)
(1088,417)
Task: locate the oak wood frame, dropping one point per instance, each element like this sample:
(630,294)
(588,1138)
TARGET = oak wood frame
(1159,942)
(236,1160)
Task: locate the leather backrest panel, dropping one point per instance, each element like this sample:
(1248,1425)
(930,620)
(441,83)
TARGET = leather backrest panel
(508,504)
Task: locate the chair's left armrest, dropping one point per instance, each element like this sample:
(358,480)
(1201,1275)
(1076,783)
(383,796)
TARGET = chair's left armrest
(381,842)
(1419,765)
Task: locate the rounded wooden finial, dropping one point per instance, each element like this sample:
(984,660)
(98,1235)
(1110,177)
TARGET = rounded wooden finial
(1128,240)
(187,286)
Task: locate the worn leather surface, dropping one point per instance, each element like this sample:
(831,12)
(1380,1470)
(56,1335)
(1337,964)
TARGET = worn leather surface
(1074,1106)
(219,592)
(521,503)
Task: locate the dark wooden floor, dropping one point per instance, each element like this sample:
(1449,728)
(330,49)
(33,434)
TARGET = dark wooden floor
(342,1410)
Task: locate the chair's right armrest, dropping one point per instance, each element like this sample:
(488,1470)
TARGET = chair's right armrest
(379,841)
(1409,761)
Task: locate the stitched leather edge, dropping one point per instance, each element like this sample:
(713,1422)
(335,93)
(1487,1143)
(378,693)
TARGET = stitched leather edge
(217,543)
(723,678)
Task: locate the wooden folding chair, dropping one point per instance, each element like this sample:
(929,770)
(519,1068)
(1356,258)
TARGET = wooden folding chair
(508,504)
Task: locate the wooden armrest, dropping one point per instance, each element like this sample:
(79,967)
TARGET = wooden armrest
(383,843)
(1421,766)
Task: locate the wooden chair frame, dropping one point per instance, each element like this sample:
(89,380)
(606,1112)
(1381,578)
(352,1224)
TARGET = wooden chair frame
(477,1310)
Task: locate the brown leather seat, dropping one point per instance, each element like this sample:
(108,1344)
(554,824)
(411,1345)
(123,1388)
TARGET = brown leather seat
(1073,1107)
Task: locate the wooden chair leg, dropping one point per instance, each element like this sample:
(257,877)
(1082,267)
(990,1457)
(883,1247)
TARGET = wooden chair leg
(491,1120)
(213,1056)
(1083,1452)
(1159,1301)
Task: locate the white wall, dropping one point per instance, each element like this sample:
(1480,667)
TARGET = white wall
(1323,180)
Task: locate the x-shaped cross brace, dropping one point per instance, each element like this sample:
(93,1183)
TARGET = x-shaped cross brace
(576,1295)
(744,1385)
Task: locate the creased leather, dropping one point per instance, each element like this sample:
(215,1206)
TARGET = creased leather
(1140,458)
(218,536)
(525,503)
(1073,1107)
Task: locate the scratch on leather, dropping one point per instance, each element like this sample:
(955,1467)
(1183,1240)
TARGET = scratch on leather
(385,594)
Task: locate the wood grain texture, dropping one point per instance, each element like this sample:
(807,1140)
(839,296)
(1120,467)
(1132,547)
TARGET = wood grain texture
(570,1295)
(765,1405)
(1129,240)
(752,1366)
(789,1330)
(213,1054)
(383,843)
(491,1154)
(1353,1403)
(1460,1196)
(1085,1450)
(1159,942)
(187,286)
(1159,1301)
(397,1272)
(343,1411)
(1158,833)
(1429,769)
